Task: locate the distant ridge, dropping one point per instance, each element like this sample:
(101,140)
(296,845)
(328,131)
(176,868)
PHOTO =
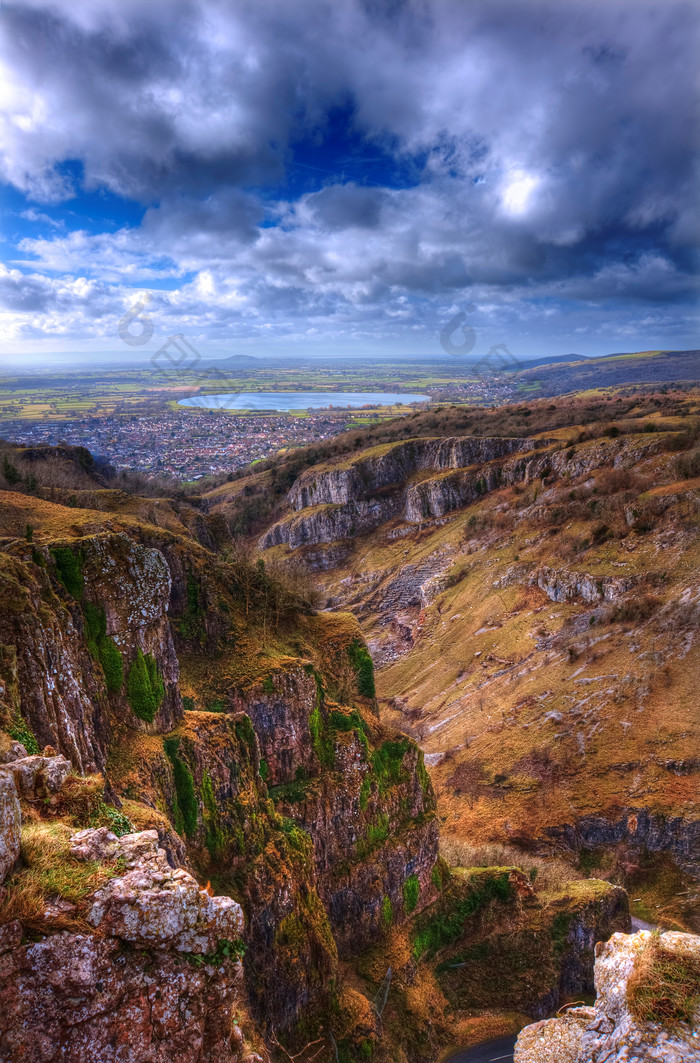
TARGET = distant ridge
(612,370)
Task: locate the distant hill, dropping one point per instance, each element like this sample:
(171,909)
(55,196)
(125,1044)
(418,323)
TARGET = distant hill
(612,370)
(236,359)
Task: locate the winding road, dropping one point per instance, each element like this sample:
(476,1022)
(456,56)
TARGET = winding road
(501,1049)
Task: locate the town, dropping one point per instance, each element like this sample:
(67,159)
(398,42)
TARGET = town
(187,444)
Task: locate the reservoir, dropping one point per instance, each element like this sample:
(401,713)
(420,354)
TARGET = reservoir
(284,401)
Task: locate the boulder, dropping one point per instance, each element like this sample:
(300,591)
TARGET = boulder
(10,824)
(609,1032)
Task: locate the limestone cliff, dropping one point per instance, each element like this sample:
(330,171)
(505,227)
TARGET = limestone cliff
(636,1015)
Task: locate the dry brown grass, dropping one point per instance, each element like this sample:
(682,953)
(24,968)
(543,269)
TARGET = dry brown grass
(664,987)
(50,876)
(545,873)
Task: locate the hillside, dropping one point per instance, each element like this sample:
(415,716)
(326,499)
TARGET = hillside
(612,370)
(528,590)
(209,839)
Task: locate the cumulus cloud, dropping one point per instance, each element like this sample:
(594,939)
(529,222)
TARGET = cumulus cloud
(502,152)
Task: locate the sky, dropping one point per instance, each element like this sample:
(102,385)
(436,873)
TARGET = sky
(343,177)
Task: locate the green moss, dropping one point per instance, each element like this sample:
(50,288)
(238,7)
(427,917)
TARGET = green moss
(440,928)
(69,569)
(293,791)
(411,893)
(387,912)
(268,685)
(264,770)
(375,835)
(423,777)
(185,807)
(364,668)
(387,761)
(191,624)
(103,648)
(560,930)
(297,837)
(20,730)
(214,836)
(145,687)
(321,741)
(246,736)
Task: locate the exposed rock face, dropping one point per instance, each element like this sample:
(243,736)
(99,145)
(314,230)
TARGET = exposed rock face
(46,661)
(538,951)
(609,1033)
(132,583)
(353,498)
(386,466)
(79,999)
(562,586)
(10,825)
(639,829)
(152,904)
(84,997)
(369,839)
(30,778)
(280,709)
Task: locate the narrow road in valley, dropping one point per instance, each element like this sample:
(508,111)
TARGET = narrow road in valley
(639,924)
(501,1049)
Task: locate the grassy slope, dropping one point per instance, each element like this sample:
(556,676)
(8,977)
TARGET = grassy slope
(539,715)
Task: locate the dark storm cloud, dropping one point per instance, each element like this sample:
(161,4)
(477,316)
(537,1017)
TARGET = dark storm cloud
(551,148)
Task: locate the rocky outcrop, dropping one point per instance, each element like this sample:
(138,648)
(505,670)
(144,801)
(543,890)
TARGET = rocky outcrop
(160,981)
(538,951)
(46,671)
(356,496)
(153,904)
(74,609)
(386,466)
(610,1032)
(638,829)
(31,779)
(10,825)
(372,831)
(280,708)
(132,583)
(564,586)
(329,523)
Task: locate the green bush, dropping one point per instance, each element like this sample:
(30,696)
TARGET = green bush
(69,570)
(145,687)
(108,816)
(185,807)
(322,742)
(411,893)
(112,666)
(364,668)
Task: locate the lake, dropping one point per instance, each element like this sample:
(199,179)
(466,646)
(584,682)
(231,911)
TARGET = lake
(300,400)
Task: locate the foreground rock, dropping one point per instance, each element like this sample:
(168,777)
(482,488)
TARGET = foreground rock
(160,980)
(609,1032)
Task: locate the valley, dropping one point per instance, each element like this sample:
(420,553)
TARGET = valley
(405,720)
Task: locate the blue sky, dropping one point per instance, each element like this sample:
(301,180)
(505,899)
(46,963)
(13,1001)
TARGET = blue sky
(341,178)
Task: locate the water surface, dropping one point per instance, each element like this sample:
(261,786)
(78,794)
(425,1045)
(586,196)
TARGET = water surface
(284,401)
